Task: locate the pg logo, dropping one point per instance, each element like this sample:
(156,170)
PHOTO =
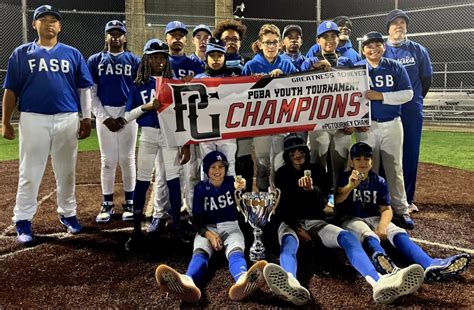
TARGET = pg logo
(191,98)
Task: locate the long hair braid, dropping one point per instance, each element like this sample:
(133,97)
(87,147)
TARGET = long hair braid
(144,70)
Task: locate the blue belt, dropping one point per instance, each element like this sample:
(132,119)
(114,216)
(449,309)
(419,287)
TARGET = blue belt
(383,120)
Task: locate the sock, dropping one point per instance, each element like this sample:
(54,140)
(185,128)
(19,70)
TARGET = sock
(289,247)
(237,264)
(129,195)
(197,267)
(175,200)
(411,250)
(109,198)
(372,245)
(141,187)
(357,257)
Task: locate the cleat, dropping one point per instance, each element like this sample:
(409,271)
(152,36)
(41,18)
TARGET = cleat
(412,208)
(406,222)
(71,224)
(249,282)
(284,284)
(106,212)
(180,285)
(156,225)
(383,263)
(23,231)
(442,269)
(398,283)
(127,214)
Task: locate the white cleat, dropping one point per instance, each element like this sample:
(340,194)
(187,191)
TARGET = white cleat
(284,284)
(398,283)
(249,282)
(180,285)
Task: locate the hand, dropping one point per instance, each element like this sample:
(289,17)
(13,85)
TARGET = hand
(84,128)
(185,154)
(321,65)
(187,78)
(303,235)
(276,72)
(306,183)
(355,179)
(8,132)
(121,121)
(348,131)
(381,232)
(240,183)
(214,239)
(363,129)
(112,125)
(257,75)
(151,106)
(374,95)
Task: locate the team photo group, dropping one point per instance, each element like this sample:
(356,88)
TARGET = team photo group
(322,186)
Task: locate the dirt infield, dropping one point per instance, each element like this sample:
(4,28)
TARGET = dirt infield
(92,269)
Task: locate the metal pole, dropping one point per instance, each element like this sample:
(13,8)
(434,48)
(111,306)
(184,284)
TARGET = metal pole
(24,20)
(318,11)
(445,75)
(396,4)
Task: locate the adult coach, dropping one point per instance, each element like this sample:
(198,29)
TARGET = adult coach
(416,60)
(52,83)
(114,70)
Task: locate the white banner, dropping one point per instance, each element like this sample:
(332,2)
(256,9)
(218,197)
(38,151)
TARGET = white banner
(235,107)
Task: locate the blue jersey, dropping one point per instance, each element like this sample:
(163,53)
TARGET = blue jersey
(388,76)
(235,63)
(183,66)
(141,94)
(260,65)
(365,199)
(195,57)
(296,59)
(341,62)
(47,81)
(416,60)
(345,50)
(114,75)
(215,204)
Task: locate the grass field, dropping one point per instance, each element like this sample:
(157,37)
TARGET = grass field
(452,149)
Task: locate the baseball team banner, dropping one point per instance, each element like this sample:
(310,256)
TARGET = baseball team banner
(236,107)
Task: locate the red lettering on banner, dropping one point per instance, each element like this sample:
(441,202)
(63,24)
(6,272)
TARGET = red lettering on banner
(340,106)
(268,112)
(251,113)
(313,108)
(303,105)
(354,102)
(325,106)
(286,109)
(233,106)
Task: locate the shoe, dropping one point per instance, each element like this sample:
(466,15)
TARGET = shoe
(105,213)
(383,263)
(442,269)
(71,223)
(23,231)
(248,282)
(405,221)
(331,201)
(156,225)
(180,285)
(284,284)
(398,283)
(412,208)
(127,214)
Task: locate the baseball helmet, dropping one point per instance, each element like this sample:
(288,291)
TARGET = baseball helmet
(115,25)
(213,157)
(372,36)
(327,26)
(46,10)
(394,14)
(155,46)
(201,27)
(176,25)
(292,28)
(342,21)
(361,149)
(215,45)
(294,141)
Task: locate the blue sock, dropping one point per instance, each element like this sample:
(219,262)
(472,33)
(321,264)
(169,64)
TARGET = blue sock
(411,250)
(109,198)
(289,247)
(129,195)
(175,200)
(237,264)
(372,245)
(141,187)
(356,255)
(197,267)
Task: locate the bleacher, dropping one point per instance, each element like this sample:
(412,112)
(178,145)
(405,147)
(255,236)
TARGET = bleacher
(449,107)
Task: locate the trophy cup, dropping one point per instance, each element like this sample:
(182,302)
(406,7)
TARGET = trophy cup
(257,208)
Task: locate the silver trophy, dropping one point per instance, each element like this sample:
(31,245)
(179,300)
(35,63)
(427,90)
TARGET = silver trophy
(257,208)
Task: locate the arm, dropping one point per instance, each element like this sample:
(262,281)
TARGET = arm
(425,85)
(8,106)
(343,192)
(140,110)
(386,215)
(391,98)
(85,125)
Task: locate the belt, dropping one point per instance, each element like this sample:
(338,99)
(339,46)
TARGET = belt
(383,120)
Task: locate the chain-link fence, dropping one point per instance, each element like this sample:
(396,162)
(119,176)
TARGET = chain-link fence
(443,27)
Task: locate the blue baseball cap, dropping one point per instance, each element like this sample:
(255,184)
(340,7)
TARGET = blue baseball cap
(372,36)
(294,141)
(361,149)
(115,25)
(213,157)
(393,14)
(46,10)
(176,25)
(155,46)
(327,26)
(215,45)
(201,27)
